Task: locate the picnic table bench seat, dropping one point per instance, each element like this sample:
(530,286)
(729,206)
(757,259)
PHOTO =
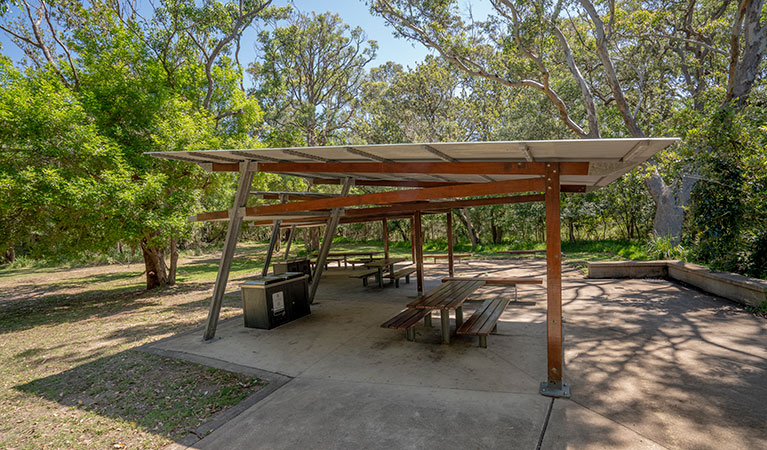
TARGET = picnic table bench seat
(405,320)
(365,275)
(484,319)
(405,272)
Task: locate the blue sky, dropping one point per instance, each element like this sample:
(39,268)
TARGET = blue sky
(353,12)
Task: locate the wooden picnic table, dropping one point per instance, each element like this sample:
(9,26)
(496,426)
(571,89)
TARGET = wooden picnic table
(445,256)
(346,255)
(450,295)
(381,265)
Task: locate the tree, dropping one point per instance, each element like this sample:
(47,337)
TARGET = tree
(308,82)
(530,46)
(135,85)
(310,77)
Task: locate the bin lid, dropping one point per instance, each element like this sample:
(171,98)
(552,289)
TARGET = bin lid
(262,281)
(291,275)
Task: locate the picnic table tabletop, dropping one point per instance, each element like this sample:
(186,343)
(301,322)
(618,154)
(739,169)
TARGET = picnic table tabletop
(449,295)
(371,253)
(384,262)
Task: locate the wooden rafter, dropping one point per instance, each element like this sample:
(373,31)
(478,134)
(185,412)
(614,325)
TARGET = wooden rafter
(387,198)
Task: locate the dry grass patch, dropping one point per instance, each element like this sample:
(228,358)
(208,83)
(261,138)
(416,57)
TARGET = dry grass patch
(68,375)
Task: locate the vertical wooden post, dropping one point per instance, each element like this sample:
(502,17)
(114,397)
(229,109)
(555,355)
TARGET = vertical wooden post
(450,262)
(553,386)
(327,240)
(290,241)
(418,250)
(385,225)
(412,239)
(230,243)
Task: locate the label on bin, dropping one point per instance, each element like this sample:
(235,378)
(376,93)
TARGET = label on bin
(278,302)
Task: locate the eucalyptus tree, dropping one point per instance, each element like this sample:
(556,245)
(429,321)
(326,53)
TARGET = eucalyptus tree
(573,53)
(309,77)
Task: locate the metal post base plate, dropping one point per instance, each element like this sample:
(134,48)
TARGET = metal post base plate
(554,389)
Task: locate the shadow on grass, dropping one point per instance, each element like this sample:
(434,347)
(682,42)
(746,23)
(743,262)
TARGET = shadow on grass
(98,303)
(160,395)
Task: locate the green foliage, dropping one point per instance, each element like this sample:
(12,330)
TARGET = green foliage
(659,247)
(728,216)
(309,79)
(73,174)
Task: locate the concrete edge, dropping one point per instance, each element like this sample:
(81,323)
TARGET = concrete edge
(739,288)
(274,382)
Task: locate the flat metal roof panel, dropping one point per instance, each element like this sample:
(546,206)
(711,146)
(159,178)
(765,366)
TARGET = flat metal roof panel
(609,158)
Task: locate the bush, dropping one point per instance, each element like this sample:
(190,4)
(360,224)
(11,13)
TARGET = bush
(664,248)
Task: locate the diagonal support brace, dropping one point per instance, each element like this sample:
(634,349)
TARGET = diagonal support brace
(327,240)
(232,234)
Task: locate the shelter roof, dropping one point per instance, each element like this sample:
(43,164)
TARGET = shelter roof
(389,164)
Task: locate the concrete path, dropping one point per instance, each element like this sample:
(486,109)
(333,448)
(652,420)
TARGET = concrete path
(651,364)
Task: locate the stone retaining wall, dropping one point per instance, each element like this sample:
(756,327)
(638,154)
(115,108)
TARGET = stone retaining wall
(742,289)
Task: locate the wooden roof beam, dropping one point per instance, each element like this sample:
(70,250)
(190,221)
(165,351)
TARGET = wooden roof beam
(443,168)
(266,195)
(430,168)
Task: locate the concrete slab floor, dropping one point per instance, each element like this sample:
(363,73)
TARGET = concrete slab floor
(651,364)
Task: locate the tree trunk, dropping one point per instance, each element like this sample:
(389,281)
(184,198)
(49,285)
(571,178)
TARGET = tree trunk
(571,229)
(464,216)
(154,261)
(173,262)
(401,231)
(10,254)
(312,243)
(669,205)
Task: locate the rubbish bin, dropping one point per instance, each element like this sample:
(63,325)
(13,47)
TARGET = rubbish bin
(293,265)
(274,300)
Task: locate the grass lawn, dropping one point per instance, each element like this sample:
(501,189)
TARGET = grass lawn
(70,374)
(70,377)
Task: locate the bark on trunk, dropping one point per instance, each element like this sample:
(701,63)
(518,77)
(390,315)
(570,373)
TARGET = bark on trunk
(173,262)
(670,202)
(473,236)
(10,255)
(312,244)
(154,262)
(401,231)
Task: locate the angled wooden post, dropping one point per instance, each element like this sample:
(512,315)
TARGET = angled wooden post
(418,250)
(554,385)
(385,231)
(450,262)
(274,241)
(327,240)
(272,244)
(232,234)
(290,241)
